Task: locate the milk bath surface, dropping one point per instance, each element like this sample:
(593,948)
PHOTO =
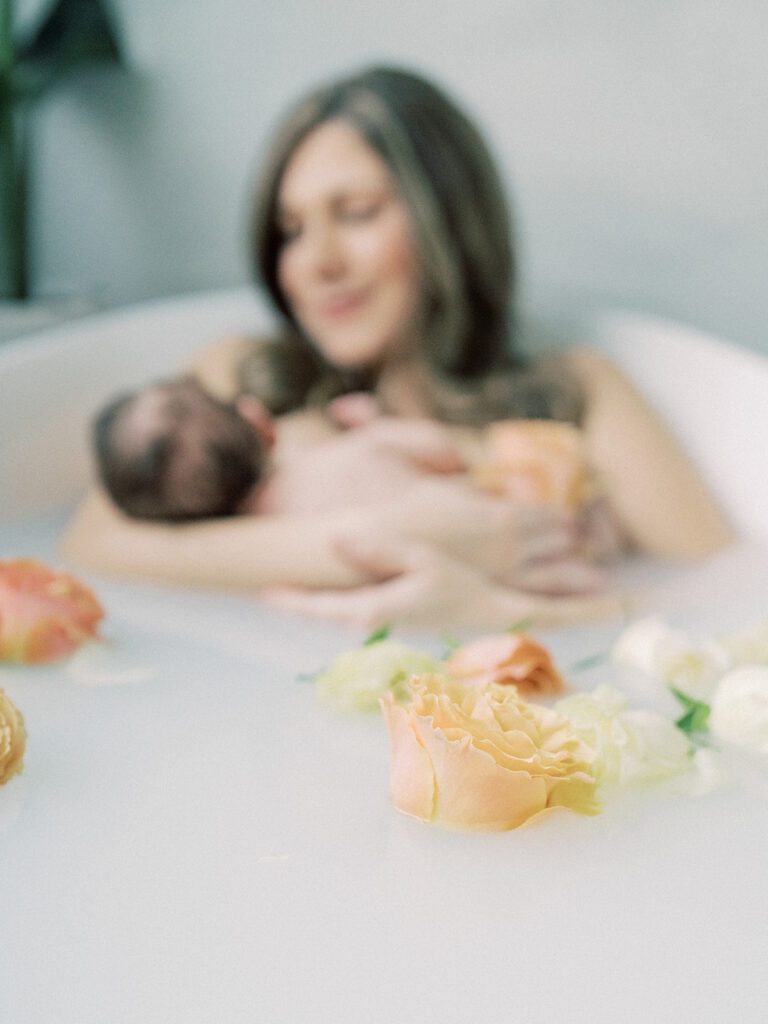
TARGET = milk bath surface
(195,838)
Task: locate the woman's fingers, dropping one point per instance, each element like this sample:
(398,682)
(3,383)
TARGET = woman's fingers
(377,558)
(554,612)
(397,567)
(367,607)
(426,589)
(601,535)
(549,536)
(407,603)
(561,576)
(535,538)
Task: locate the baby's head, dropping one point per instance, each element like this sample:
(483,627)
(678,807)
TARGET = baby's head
(172,452)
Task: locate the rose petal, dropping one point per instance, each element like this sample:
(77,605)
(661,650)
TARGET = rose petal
(473,790)
(506,660)
(44,615)
(536,462)
(740,708)
(412,781)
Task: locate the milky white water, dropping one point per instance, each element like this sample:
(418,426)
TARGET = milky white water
(194,839)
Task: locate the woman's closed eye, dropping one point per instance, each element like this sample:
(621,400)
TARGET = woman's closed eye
(348,213)
(360,211)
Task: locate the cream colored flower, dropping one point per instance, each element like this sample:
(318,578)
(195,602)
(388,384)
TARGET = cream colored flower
(483,758)
(356,679)
(740,708)
(13,739)
(632,746)
(506,658)
(748,646)
(536,462)
(672,656)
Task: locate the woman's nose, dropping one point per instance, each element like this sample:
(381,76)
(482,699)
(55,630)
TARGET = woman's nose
(324,252)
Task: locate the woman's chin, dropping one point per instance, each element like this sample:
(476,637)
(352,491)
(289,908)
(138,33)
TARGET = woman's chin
(352,358)
(348,346)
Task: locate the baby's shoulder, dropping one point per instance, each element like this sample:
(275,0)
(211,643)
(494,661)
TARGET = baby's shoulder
(299,431)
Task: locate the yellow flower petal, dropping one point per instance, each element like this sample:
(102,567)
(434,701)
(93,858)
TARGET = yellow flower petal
(473,790)
(412,781)
(13,739)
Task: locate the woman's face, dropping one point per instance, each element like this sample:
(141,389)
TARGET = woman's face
(347,265)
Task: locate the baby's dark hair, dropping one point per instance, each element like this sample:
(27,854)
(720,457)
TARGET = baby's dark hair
(172,452)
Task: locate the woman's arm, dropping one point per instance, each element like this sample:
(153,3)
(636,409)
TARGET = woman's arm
(656,494)
(253,552)
(245,552)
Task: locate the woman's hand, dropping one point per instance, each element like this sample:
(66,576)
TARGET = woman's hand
(416,586)
(527,547)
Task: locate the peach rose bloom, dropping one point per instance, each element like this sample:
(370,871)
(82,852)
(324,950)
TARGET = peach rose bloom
(13,739)
(534,462)
(506,658)
(483,758)
(44,615)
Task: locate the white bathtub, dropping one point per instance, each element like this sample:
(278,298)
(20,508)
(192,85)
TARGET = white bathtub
(197,841)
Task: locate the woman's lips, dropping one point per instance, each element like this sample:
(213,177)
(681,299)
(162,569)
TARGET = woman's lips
(342,305)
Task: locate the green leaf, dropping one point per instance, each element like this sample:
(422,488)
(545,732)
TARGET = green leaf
(307,677)
(451,642)
(589,662)
(696,716)
(378,635)
(521,625)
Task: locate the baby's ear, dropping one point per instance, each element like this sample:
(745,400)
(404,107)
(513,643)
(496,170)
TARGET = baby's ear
(260,418)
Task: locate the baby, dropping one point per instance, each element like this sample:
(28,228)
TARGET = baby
(173,452)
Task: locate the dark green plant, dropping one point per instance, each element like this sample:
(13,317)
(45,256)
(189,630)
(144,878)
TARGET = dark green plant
(70,34)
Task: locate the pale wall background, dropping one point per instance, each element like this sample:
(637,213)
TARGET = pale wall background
(634,136)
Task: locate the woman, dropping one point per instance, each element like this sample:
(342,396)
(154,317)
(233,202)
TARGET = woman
(383,239)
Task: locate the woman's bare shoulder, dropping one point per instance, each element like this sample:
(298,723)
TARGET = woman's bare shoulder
(604,384)
(663,503)
(592,368)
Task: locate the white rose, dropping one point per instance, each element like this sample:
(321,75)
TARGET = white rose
(740,708)
(633,746)
(638,645)
(672,656)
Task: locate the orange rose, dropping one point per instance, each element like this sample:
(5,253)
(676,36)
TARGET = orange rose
(44,615)
(534,462)
(13,739)
(483,758)
(506,658)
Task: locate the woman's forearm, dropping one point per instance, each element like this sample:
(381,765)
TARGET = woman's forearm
(253,552)
(245,552)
